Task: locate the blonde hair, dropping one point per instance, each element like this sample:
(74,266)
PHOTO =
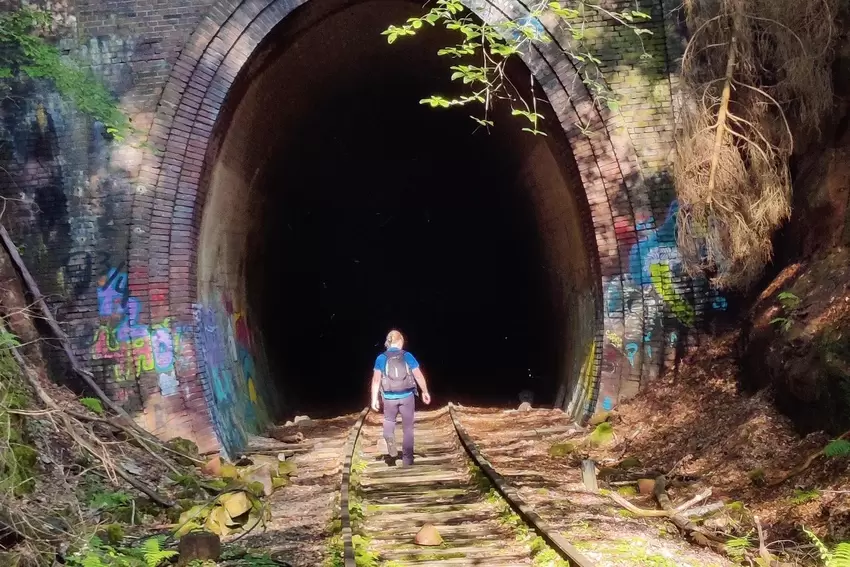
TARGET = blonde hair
(394,338)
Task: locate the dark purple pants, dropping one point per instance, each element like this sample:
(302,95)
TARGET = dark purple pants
(405,407)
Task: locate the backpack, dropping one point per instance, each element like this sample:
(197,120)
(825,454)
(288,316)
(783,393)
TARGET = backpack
(396,376)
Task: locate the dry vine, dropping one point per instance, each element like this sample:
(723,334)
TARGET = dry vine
(755,74)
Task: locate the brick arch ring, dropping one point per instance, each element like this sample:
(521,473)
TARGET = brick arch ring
(170,196)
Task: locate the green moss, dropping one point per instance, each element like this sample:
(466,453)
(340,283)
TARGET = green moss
(113,533)
(757,476)
(559,450)
(184,447)
(627,490)
(602,435)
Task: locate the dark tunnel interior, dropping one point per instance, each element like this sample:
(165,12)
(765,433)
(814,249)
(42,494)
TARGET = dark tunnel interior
(370,211)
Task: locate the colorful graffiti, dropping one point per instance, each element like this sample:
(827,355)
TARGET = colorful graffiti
(226,349)
(640,303)
(134,347)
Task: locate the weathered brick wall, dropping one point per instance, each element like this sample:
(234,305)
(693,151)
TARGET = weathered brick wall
(112,230)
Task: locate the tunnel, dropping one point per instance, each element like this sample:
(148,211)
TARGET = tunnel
(337,207)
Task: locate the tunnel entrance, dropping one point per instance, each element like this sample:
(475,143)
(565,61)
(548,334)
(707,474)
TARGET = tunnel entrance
(338,208)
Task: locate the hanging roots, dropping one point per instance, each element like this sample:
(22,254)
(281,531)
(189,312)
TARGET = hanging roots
(755,74)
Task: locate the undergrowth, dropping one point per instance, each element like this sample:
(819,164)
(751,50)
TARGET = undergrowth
(18,457)
(839,556)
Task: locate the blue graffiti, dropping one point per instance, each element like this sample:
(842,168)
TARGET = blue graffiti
(655,246)
(607,404)
(631,351)
(529,27)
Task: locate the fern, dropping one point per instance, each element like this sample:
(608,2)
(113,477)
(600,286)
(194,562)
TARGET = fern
(801,497)
(837,448)
(841,555)
(737,547)
(788,300)
(838,557)
(109,500)
(153,553)
(92,560)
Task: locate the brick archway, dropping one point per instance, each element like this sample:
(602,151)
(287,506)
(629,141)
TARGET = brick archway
(170,197)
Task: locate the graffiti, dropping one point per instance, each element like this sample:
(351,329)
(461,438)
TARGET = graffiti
(614,339)
(631,351)
(582,398)
(221,380)
(227,349)
(134,347)
(168,384)
(640,301)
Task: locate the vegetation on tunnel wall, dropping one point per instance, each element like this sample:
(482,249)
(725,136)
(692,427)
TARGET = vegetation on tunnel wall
(24,52)
(493,44)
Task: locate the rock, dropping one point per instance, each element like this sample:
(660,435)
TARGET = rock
(132,468)
(198,546)
(525,406)
(646,485)
(212,467)
(302,420)
(429,536)
(286,433)
(281,457)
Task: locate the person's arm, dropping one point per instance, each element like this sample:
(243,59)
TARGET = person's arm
(423,385)
(376,387)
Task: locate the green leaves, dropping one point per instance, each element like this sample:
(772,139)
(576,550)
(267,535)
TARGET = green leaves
(483,122)
(490,45)
(436,102)
(94,405)
(469,74)
(837,448)
(394,32)
(563,12)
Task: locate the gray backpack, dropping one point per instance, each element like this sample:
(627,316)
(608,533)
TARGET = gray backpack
(397,376)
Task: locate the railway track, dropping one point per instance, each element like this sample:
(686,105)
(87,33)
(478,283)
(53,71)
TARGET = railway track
(481,520)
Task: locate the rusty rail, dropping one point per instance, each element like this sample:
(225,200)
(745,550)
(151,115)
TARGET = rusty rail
(570,554)
(345,481)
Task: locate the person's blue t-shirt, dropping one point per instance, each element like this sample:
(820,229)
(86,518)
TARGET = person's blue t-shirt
(381,365)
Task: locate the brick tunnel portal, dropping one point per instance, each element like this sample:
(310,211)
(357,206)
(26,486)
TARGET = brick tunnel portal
(338,207)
